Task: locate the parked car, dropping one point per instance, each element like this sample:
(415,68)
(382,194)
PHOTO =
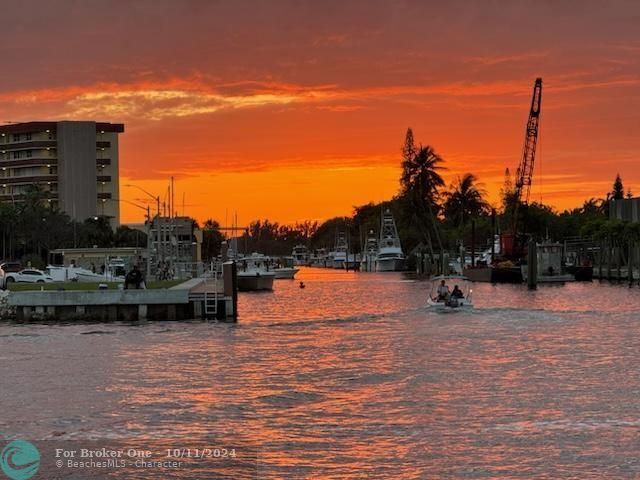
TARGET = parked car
(28,275)
(9,267)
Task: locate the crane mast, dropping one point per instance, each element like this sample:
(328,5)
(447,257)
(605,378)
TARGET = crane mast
(511,246)
(524,174)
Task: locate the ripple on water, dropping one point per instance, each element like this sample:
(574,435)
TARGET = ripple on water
(353,377)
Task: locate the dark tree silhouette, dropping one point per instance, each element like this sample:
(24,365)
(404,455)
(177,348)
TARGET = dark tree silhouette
(465,200)
(618,189)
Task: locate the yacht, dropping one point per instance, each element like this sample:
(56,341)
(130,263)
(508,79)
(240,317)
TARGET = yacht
(300,255)
(368,260)
(390,257)
(338,255)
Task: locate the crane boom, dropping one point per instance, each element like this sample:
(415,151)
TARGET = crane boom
(524,174)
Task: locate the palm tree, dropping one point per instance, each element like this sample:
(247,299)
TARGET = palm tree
(420,178)
(465,200)
(420,182)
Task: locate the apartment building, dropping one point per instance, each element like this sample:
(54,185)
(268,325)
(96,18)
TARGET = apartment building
(74,162)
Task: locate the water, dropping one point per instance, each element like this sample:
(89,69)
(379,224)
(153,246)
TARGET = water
(350,377)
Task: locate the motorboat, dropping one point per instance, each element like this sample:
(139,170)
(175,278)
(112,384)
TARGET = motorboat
(254,273)
(390,257)
(450,301)
(368,260)
(338,255)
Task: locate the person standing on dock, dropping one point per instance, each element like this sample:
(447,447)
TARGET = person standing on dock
(134,278)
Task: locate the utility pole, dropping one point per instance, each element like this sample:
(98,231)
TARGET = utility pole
(148,276)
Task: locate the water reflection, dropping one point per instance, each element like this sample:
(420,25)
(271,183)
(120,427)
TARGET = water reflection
(352,377)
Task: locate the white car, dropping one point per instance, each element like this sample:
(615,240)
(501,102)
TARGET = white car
(28,275)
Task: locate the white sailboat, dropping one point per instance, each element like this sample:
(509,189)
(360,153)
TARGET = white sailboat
(390,257)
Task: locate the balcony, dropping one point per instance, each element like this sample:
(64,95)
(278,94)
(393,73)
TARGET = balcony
(104,195)
(104,178)
(29,180)
(29,162)
(28,145)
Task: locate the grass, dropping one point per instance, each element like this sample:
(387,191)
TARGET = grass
(23,287)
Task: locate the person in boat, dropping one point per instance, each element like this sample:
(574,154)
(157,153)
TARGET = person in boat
(134,278)
(457,293)
(443,292)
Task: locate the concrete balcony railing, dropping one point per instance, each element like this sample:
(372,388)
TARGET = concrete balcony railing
(27,145)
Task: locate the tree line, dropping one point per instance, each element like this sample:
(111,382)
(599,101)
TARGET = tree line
(428,213)
(30,229)
(434,216)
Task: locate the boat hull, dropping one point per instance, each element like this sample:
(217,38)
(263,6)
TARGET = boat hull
(390,264)
(255,281)
(285,273)
(459,304)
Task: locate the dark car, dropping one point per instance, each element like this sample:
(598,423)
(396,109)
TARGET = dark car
(9,267)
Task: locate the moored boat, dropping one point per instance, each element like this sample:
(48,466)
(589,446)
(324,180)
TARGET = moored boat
(368,260)
(254,273)
(300,255)
(285,272)
(390,257)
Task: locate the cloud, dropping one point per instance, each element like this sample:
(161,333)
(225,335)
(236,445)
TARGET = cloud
(492,60)
(191,96)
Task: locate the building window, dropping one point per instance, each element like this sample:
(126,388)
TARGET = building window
(17,154)
(28,136)
(16,137)
(29,153)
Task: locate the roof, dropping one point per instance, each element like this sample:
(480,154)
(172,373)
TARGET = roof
(40,126)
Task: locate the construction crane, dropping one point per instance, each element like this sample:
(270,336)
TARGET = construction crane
(524,174)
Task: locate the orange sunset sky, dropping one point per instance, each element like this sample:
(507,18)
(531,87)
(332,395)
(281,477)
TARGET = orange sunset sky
(297,110)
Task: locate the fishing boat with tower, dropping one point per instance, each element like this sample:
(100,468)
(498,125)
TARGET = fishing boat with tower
(390,257)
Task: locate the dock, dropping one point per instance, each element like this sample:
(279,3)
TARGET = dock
(210,297)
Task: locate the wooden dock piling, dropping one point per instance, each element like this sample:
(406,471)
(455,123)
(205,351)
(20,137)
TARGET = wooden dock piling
(532,266)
